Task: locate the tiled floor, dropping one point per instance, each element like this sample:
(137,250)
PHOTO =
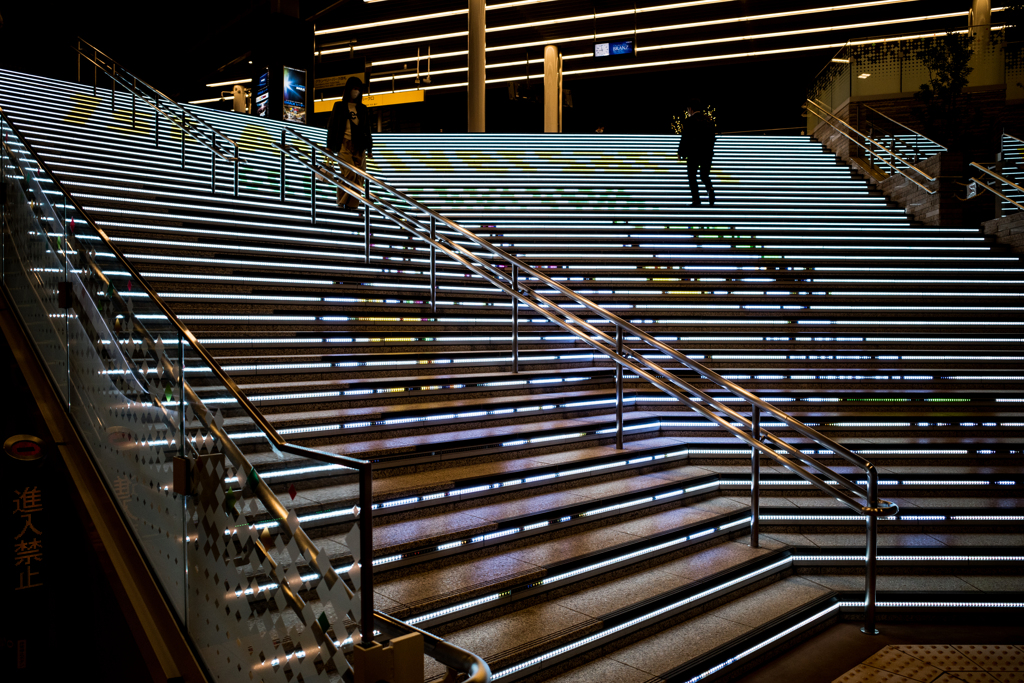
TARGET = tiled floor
(940,664)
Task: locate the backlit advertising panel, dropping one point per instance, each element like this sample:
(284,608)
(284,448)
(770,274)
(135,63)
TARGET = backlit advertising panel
(263,94)
(294,95)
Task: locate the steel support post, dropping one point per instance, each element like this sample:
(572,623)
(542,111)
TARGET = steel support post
(366,223)
(156,127)
(135,86)
(184,129)
(113,85)
(433,265)
(515,320)
(755,478)
(213,172)
(282,176)
(95,72)
(871,556)
(618,390)
(236,176)
(312,188)
(366,553)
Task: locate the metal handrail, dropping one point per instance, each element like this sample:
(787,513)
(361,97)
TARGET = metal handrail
(1005,134)
(880,145)
(903,125)
(186,121)
(449,654)
(264,493)
(181,109)
(1001,177)
(875,154)
(624,357)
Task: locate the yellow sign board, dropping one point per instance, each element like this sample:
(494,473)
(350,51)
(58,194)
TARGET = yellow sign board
(381,100)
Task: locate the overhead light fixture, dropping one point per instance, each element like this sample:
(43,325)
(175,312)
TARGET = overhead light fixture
(616,34)
(864,76)
(240,80)
(840,60)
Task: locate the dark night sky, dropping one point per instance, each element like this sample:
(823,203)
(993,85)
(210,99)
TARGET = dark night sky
(177,50)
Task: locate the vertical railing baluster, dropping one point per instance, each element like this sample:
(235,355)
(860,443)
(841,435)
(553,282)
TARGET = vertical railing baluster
(871,555)
(113,85)
(515,319)
(213,171)
(312,188)
(366,222)
(433,264)
(156,127)
(281,181)
(184,129)
(618,389)
(366,552)
(135,86)
(95,71)
(755,478)
(236,174)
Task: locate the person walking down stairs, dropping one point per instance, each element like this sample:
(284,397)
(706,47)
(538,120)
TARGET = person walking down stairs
(697,147)
(349,136)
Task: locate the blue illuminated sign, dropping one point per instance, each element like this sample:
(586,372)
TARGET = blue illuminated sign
(619,47)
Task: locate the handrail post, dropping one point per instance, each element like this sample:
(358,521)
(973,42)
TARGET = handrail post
(135,87)
(184,128)
(515,320)
(95,71)
(312,188)
(366,553)
(78,58)
(156,128)
(113,84)
(366,222)
(755,479)
(236,174)
(618,389)
(433,265)
(281,178)
(871,558)
(213,172)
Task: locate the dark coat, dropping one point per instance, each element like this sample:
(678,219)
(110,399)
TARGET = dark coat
(362,137)
(698,137)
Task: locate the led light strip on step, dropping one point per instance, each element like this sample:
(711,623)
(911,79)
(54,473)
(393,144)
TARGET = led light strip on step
(634,622)
(549,580)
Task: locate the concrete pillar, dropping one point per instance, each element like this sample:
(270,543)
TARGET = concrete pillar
(552,90)
(477,64)
(988,65)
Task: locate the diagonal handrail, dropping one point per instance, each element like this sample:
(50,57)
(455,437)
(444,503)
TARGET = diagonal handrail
(166,108)
(1000,177)
(407,216)
(442,650)
(906,127)
(870,151)
(612,318)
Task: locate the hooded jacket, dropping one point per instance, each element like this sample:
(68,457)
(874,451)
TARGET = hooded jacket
(698,137)
(362,138)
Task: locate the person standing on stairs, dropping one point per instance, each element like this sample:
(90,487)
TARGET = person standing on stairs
(349,137)
(697,146)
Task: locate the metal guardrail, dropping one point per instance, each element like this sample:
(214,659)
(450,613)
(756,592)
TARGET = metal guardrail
(892,153)
(1000,177)
(451,656)
(408,214)
(164,108)
(905,127)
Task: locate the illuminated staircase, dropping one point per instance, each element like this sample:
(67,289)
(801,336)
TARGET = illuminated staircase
(507,520)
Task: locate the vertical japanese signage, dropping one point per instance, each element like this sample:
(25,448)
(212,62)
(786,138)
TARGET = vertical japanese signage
(24,479)
(294,95)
